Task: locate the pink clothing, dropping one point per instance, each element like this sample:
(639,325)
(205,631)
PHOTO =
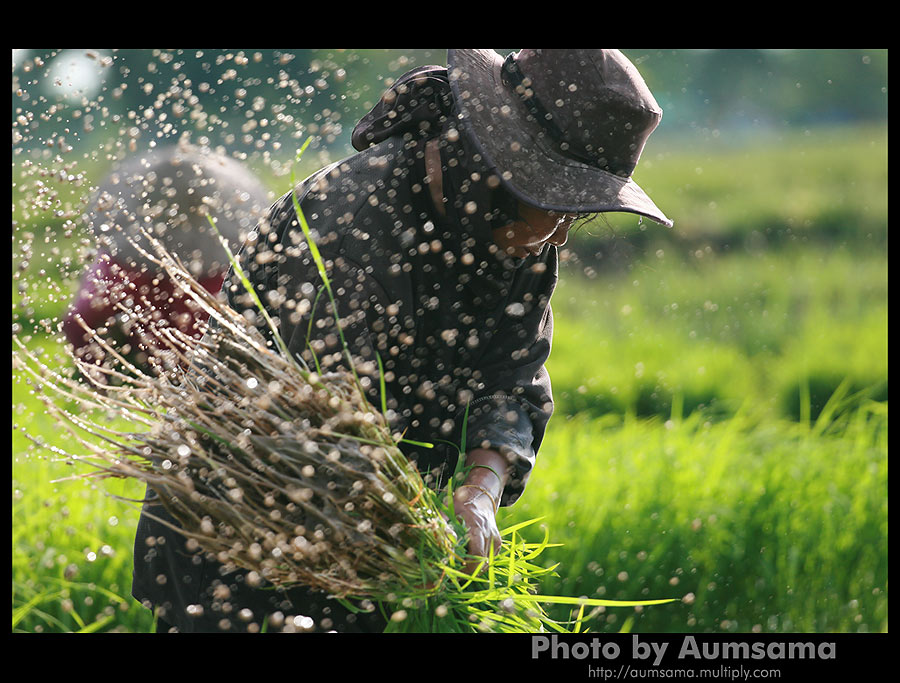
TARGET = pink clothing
(107,283)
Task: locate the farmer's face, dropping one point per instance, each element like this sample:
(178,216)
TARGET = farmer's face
(532,230)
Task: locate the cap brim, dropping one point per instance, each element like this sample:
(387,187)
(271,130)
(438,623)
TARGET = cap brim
(514,145)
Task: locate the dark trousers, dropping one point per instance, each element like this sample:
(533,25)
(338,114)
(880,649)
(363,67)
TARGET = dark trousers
(194,594)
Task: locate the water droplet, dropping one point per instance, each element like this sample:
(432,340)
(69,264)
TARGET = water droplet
(304,622)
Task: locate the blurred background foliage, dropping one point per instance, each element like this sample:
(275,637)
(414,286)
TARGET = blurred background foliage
(260,105)
(738,91)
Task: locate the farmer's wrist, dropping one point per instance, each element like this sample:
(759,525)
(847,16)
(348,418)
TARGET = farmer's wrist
(489,470)
(476,495)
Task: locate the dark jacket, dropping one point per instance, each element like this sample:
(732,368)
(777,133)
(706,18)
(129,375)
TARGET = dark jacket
(454,323)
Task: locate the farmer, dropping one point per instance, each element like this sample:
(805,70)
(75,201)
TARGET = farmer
(169,192)
(441,240)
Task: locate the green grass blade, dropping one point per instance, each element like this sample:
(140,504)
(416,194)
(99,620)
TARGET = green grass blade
(520,525)
(512,560)
(462,438)
(423,444)
(320,267)
(23,611)
(95,626)
(831,406)
(309,327)
(236,266)
(51,620)
(626,627)
(592,602)
(381,385)
(579,619)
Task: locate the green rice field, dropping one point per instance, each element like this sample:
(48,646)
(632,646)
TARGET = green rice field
(721,427)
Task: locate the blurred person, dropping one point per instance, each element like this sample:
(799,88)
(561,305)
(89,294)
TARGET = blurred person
(441,238)
(169,192)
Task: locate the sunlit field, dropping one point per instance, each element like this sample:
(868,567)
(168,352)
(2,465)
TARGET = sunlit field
(756,525)
(720,434)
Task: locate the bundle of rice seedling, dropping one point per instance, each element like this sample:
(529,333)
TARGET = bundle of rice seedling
(287,473)
(264,463)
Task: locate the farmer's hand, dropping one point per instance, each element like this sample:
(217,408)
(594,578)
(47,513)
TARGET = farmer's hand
(476,501)
(475,509)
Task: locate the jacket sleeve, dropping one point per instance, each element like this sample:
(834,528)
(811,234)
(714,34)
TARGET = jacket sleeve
(511,412)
